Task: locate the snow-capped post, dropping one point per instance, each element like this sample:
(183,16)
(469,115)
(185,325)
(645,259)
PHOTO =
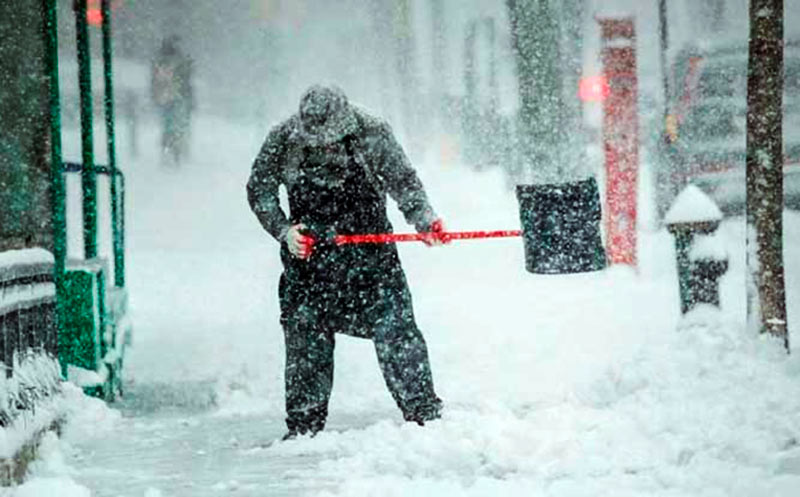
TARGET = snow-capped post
(620,137)
(701,257)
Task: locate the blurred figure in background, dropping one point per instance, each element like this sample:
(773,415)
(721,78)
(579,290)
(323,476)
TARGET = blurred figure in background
(171,91)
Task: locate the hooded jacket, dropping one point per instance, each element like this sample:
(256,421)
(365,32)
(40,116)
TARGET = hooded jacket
(326,118)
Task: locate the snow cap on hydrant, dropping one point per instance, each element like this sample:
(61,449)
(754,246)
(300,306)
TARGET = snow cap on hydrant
(692,205)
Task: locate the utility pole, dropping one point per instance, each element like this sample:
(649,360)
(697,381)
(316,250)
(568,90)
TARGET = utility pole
(379,51)
(765,170)
(664,45)
(535,35)
(439,71)
(406,70)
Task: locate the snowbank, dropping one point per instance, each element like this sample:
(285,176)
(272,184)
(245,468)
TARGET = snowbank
(85,418)
(687,415)
(29,401)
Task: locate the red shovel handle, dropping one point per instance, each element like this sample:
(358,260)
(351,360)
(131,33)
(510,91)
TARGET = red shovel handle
(413,237)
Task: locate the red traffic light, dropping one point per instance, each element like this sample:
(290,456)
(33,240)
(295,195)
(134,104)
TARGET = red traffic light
(94,15)
(593,89)
(94,12)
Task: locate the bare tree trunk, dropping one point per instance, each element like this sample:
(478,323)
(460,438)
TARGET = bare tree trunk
(765,168)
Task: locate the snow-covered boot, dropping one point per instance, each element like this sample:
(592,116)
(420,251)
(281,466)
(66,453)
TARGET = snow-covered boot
(426,411)
(294,433)
(311,421)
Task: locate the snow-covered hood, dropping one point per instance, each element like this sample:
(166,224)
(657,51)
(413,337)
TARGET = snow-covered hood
(325,116)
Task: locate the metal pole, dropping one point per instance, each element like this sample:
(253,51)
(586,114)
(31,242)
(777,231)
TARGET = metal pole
(88,174)
(664,38)
(406,71)
(494,89)
(536,35)
(57,194)
(108,101)
(439,56)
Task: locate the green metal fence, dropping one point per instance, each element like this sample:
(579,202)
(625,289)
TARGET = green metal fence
(91,312)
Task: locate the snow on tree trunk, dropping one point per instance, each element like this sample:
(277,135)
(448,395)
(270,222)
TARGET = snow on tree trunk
(765,169)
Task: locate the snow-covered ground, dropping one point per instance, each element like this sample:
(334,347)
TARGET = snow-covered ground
(554,385)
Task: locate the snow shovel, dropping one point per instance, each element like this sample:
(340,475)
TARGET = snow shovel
(561,229)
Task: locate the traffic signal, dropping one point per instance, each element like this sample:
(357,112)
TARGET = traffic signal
(94,12)
(593,89)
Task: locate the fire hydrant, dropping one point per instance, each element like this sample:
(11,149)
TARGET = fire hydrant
(701,257)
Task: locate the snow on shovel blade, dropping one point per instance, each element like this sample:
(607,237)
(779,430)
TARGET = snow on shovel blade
(561,227)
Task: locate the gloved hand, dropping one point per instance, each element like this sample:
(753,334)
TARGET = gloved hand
(300,245)
(436,235)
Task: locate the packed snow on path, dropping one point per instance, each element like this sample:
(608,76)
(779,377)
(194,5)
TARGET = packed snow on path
(575,385)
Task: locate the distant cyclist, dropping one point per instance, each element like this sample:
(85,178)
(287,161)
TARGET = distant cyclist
(171,91)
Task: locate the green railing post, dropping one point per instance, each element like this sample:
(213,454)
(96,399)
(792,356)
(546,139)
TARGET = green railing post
(108,100)
(122,215)
(58,193)
(88,175)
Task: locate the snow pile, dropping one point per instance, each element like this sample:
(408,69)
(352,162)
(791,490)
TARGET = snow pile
(569,385)
(29,401)
(83,377)
(85,418)
(50,474)
(63,487)
(702,412)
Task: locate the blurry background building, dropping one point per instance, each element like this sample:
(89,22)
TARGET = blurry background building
(441,71)
(24,130)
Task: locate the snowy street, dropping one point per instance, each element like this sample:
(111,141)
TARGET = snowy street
(553,385)
(156,342)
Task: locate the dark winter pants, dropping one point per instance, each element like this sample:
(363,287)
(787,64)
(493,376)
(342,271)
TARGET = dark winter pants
(310,320)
